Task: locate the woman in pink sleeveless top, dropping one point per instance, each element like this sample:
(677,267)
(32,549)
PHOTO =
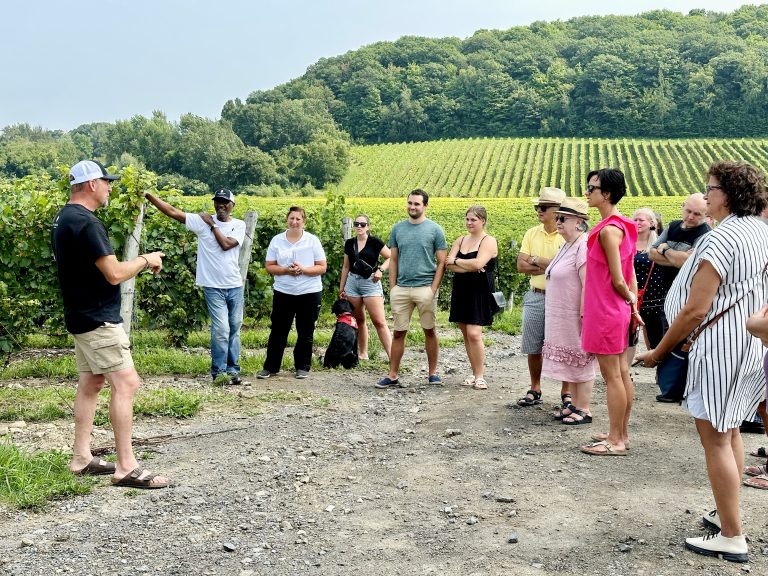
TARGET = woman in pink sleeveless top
(610,300)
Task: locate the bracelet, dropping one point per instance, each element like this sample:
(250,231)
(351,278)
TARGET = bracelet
(145,260)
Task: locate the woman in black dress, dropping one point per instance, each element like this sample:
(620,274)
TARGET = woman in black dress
(472,259)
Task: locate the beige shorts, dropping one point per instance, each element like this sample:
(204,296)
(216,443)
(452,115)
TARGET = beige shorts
(403,300)
(103,350)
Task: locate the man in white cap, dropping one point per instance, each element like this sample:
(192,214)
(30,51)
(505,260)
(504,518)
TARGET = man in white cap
(540,244)
(219,238)
(90,277)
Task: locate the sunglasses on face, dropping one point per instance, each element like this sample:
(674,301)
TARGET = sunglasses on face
(561,219)
(591,188)
(360,224)
(540,208)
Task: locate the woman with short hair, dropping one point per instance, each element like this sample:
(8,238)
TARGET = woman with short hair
(563,357)
(720,285)
(610,300)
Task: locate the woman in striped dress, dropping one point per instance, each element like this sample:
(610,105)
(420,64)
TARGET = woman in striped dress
(725,381)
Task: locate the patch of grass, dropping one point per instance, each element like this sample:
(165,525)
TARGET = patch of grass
(31,480)
(509,321)
(59,367)
(54,402)
(36,404)
(324,401)
(168,402)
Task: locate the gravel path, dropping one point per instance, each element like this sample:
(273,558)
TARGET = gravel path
(425,480)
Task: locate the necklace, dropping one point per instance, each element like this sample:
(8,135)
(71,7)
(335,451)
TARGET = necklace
(560,256)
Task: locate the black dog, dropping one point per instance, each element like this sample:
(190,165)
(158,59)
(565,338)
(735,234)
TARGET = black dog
(343,346)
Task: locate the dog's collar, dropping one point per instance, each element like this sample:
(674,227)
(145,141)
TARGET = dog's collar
(347,318)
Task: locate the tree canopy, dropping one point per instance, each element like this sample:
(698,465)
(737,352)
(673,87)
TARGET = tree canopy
(660,74)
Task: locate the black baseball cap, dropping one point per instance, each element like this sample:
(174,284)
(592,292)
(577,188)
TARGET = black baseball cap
(224,194)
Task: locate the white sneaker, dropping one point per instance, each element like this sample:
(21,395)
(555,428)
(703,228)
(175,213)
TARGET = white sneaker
(712,520)
(732,549)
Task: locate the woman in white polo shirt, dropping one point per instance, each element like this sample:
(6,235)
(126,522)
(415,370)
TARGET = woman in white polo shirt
(297,261)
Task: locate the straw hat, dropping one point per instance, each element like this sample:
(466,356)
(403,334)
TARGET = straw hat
(574,207)
(549,195)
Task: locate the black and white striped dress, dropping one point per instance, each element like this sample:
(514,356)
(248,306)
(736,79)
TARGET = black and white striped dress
(725,362)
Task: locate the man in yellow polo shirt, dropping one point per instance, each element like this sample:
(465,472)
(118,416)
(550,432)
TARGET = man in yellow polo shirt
(540,244)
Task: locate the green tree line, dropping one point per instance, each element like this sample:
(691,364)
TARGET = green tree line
(660,74)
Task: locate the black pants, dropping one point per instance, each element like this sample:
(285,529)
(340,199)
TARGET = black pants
(655,325)
(305,308)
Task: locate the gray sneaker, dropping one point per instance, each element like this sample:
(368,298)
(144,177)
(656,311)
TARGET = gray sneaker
(300,374)
(264,374)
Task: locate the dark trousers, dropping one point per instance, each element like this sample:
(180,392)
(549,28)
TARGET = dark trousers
(655,325)
(305,308)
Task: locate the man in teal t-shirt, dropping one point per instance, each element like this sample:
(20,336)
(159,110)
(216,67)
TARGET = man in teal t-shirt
(416,268)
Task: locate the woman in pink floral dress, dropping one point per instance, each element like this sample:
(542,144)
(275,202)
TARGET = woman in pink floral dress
(610,301)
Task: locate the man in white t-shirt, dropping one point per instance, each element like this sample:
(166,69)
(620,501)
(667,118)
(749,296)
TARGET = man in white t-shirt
(219,238)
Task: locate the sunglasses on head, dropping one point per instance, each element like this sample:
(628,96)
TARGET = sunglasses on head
(360,224)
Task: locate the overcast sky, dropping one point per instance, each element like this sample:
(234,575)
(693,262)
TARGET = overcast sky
(67,63)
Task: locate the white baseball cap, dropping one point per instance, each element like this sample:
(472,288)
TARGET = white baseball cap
(86,170)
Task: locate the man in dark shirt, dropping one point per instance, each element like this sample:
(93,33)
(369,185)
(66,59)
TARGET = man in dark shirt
(90,277)
(677,241)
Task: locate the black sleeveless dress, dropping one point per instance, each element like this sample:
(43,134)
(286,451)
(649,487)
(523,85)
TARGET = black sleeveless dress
(471,300)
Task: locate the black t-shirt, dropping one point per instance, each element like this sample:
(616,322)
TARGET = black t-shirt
(79,239)
(369,253)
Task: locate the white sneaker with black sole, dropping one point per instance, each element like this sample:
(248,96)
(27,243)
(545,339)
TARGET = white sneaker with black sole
(712,520)
(732,549)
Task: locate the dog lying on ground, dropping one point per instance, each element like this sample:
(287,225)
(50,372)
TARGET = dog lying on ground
(343,346)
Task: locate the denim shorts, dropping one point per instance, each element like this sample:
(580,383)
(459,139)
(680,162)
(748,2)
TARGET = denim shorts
(359,287)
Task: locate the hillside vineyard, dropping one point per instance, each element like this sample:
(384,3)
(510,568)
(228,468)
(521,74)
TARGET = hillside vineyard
(519,167)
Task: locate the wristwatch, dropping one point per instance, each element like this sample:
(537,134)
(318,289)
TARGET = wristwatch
(664,250)
(212,227)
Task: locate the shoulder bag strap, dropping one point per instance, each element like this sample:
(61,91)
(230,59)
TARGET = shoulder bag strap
(650,271)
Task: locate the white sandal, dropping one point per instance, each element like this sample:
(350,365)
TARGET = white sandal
(481,384)
(469,381)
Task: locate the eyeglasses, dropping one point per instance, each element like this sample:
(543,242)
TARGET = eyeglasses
(561,219)
(591,188)
(541,208)
(709,187)
(359,224)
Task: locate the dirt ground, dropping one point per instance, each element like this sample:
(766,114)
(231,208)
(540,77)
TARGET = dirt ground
(420,480)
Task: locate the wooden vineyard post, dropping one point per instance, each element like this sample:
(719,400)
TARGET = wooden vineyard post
(346,227)
(128,288)
(245,250)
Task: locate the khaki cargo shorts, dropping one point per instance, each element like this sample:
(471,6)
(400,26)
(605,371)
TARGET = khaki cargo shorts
(103,350)
(403,300)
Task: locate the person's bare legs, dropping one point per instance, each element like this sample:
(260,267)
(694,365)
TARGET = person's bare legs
(375,307)
(535,363)
(616,396)
(362,328)
(88,387)
(582,395)
(629,394)
(724,470)
(398,348)
(432,346)
(473,344)
(124,385)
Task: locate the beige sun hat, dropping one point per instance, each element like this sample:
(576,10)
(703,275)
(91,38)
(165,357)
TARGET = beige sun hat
(574,207)
(549,195)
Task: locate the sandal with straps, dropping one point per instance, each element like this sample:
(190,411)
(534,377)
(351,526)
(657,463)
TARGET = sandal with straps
(469,381)
(560,414)
(566,399)
(531,398)
(480,384)
(584,418)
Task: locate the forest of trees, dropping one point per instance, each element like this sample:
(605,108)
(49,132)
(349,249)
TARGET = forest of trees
(660,74)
